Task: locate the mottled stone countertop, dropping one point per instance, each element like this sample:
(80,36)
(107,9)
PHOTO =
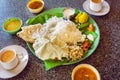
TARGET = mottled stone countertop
(106,57)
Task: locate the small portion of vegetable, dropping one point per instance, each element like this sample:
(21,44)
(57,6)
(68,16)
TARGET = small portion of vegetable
(81,17)
(86,45)
(83,26)
(90,37)
(91,28)
(86,32)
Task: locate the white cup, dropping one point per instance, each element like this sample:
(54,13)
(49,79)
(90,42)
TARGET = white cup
(96,5)
(11,62)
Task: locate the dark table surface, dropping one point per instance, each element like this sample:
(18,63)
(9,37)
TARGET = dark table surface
(106,57)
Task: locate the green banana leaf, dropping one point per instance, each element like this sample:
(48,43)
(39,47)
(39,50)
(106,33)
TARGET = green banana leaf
(41,18)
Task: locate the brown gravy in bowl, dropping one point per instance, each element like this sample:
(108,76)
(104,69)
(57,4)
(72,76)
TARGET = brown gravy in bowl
(35,5)
(84,73)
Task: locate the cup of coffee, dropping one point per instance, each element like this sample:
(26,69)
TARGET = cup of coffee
(8,59)
(96,5)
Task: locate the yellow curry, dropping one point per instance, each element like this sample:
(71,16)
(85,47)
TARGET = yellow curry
(13,25)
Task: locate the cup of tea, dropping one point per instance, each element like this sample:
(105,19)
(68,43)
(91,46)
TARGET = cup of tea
(8,59)
(96,5)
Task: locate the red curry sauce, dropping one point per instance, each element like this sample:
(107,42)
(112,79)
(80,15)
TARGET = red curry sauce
(35,4)
(85,74)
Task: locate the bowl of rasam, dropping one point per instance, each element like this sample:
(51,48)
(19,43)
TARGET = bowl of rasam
(12,25)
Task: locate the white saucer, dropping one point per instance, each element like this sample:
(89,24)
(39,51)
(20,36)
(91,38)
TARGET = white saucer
(104,11)
(23,60)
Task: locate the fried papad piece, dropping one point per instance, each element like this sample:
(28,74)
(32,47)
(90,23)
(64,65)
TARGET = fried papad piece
(28,31)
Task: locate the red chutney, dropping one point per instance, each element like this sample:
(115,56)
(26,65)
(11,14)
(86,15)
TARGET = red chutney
(84,73)
(35,5)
